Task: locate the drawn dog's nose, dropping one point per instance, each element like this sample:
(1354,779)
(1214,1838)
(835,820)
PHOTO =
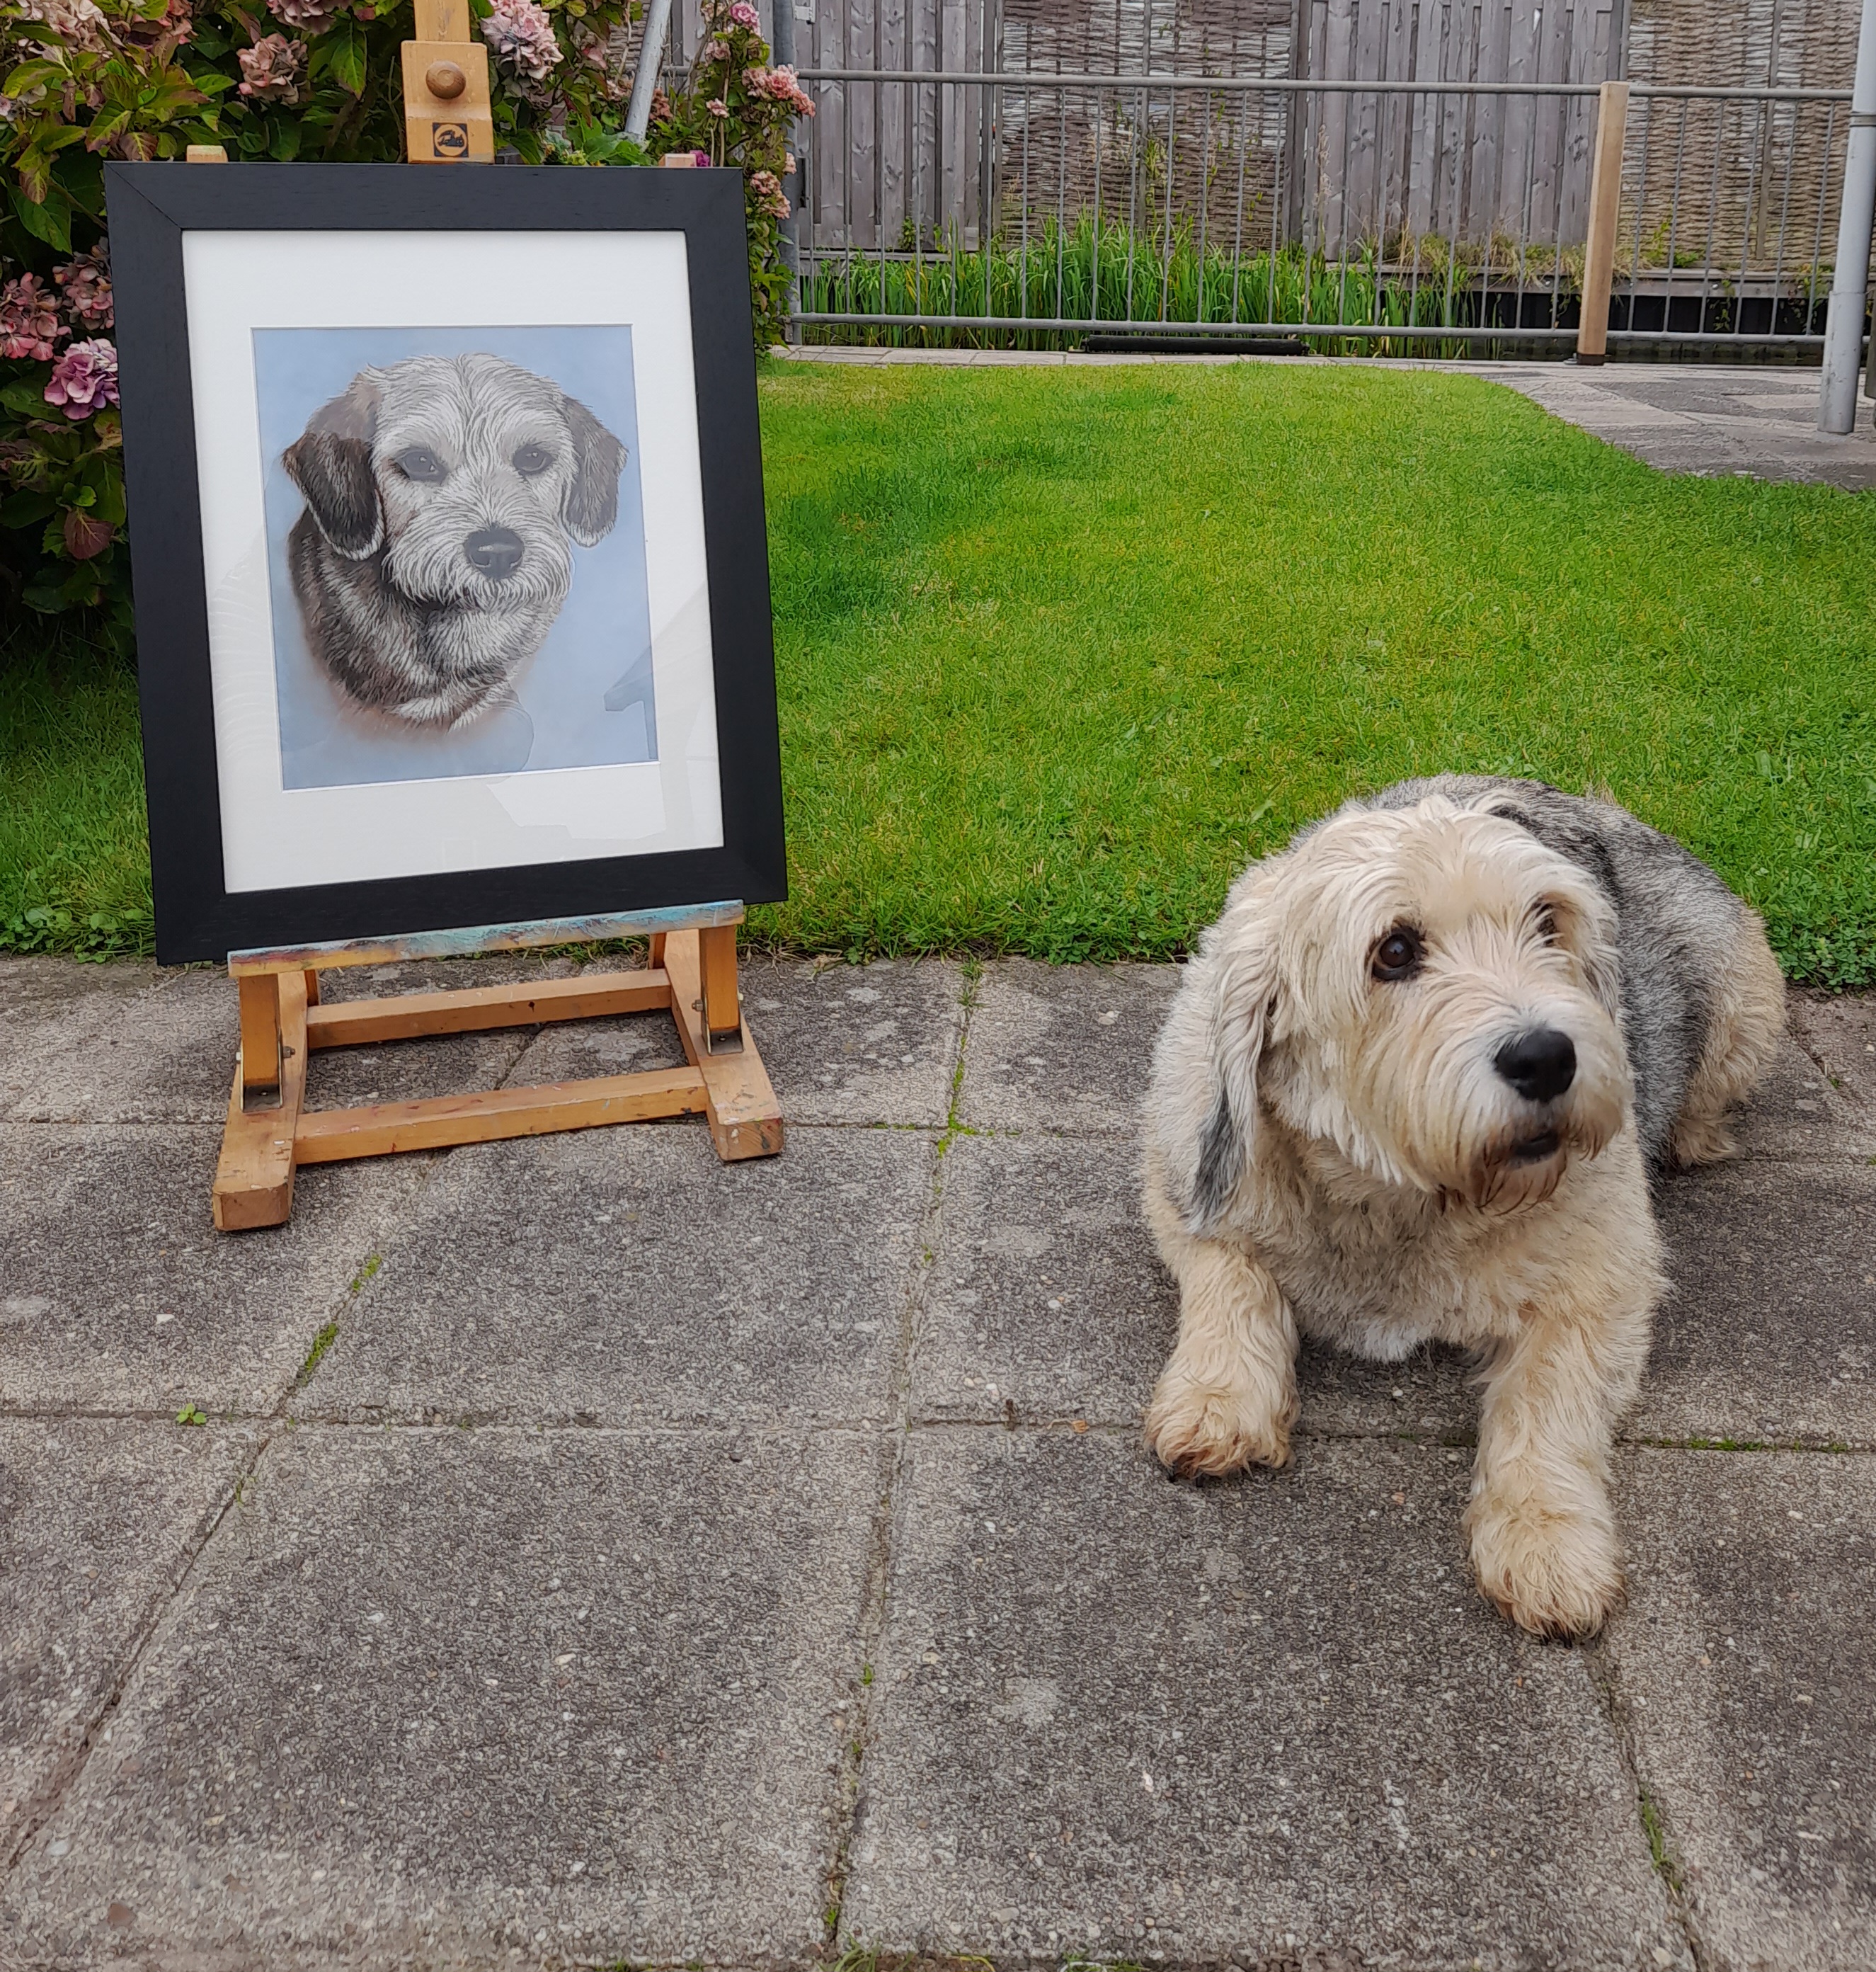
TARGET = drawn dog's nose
(495,551)
(1540,1063)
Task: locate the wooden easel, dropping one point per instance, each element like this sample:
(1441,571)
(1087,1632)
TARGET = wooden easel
(270,1133)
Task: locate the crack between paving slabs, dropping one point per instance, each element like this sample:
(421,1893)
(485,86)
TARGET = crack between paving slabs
(1650,1820)
(53,1794)
(849,1806)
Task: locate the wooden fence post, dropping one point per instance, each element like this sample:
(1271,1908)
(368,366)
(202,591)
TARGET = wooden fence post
(1599,257)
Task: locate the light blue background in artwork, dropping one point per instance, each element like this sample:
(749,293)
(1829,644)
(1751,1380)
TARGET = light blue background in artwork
(586,697)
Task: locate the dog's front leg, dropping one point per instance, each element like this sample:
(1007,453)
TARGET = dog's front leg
(1228,1397)
(1544,1539)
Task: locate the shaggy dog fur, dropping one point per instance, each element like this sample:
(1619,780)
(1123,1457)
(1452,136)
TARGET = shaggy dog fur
(1413,1089)
(432,558)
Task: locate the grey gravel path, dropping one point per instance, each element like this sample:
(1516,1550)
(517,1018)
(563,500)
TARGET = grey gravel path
(593,1555)
(1717,420)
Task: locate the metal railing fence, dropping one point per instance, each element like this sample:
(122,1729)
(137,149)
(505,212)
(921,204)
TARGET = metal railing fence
(1006,209)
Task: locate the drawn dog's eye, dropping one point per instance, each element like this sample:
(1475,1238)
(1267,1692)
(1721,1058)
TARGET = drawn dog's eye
(533,459)
(1398,956)
(419,463)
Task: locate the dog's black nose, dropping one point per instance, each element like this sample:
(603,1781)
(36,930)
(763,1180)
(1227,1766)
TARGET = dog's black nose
(496,551)
(1540,1064)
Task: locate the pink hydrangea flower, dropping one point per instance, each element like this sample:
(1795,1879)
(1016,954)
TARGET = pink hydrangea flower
(85,288)
(743,15)
(29,322)
(79,24)
(310,17)
(769,196)
(717,106)
(785,87)
(272,69)
(522,36)
(84,379)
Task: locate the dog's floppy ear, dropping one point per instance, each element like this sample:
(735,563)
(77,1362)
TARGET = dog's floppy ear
(1592,908)
(331,463)
(1207,1074)
(592,502)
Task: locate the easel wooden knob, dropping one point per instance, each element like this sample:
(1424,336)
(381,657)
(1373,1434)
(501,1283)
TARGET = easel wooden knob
(447,119)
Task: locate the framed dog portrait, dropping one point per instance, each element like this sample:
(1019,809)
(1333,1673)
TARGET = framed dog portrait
(447,535)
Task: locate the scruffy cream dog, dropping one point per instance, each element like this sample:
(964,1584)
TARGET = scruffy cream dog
(1414,1088)
(433,558)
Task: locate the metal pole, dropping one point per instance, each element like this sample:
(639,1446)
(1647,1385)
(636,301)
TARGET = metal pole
(1843,323)
(651,58)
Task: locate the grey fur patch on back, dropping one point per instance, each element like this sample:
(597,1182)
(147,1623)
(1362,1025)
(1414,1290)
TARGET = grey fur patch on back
(1675,921)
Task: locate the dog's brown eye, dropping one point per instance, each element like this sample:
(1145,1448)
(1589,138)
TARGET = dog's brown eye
(533,459)
(1547,923)
(1397,955)
(421,464)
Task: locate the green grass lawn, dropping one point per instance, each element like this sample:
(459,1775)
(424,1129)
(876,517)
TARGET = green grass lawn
(1060,648)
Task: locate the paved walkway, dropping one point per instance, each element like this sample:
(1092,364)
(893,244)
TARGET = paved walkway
(1700,418)
(593,1554)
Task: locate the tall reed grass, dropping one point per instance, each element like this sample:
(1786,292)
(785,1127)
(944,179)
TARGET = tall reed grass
(1097,272)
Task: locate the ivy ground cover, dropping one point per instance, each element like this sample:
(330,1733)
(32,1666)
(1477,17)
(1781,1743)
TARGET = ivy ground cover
(1061,648)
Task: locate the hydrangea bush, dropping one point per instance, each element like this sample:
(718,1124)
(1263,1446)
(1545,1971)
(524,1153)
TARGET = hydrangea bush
(82,81)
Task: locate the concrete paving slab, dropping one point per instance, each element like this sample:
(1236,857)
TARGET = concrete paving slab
(1796,1113)
(1062,1047)
(480,1697)
(115,1043)
(1769,1333)
(97,1521)
(1265,1722)
(873,1043)
(120,1296)
(1047,1302)
(1746,1666)
(627,1276)
(842,1043)
(1837,1031)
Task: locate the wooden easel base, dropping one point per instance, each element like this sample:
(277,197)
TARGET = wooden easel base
(267,1140)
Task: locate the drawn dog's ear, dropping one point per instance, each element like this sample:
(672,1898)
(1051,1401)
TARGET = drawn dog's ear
(331,463)
(591,503)
(1216,1081)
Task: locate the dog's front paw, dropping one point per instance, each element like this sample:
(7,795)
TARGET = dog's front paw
(1555,1573)
(1195,1428)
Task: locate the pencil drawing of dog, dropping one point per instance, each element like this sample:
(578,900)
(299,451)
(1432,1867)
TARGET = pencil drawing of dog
(1413,1087)
(433,558)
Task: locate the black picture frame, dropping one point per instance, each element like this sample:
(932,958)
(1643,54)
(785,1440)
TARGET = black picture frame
(150,208)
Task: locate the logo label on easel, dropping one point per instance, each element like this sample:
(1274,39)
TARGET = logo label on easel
(449,140)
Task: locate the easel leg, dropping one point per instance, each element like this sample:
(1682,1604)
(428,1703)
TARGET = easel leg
(254,1179)
(744,1118)
(260,1032)
(722,1011)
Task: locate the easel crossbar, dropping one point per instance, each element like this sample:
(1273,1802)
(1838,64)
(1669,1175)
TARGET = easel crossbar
(378,1129)
(404,1017)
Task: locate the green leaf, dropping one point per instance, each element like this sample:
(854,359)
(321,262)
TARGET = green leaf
(51,221)
(26,395)
(31,73)
(286,140)
(25,510)
(347,64)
